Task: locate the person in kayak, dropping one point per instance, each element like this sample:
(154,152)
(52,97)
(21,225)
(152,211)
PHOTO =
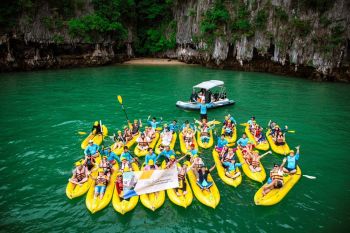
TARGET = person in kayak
(166,136)
(188,137)
(253,160)
(119,184)
(135,127)
(173,127)
(127,134)
(101,182)
(251,121)
(119,140)
(89,162)
(143,142)
(106,166)
(125,165)
(149,132)
(150,166)
(154,123)
(80,174)
(231,118)
(91,149)
(126,154)
(203,107)
(202,179)
(243,141)
(230,155)
(292,161)
(193,97)
(173,161)
(197,163)
(166,153)
(230,168)
(275,180)
(204,128)
(221,143)
(228,128)
(96,128)
(150,156)
(111,156)
(182,171)
(192,151)
(280,139)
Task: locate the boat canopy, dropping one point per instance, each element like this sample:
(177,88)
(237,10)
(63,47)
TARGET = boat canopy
(207,85)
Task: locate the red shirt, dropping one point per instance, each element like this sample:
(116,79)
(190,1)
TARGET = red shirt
(119,186)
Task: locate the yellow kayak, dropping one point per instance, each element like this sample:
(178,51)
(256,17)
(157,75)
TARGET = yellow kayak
(121,149)
(140,153)
(231,140)
(73,190)
(211,198)
(205,145)
(183,144)
(276,195)
(96,138)
(181,200)
(124,206)
(95,205)
(257,176)
(172,143)
(153,201)
(221,171)
(260,146)
(282,150)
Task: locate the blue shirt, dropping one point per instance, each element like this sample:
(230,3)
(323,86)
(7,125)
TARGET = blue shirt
(193,152)
(166,154)
(221,142)
(127,155)
(250,122)
(91,150)
(203,108)
(154,124)
(150,157)
(110,155)
(231,166)
(243,142)
(173,127)
(292,161)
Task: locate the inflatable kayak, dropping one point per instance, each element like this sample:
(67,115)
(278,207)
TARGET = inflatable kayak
(152,144)
(95,205)
(282,150)
(172,143)
(208,144)
(181,200)
(221,171)
(211,198)
(260,146)
(153,201)
(96,138)
(257,176)
(119,151)
(231,140)
(123,206)
(184,150)
(276,195)
(73,190)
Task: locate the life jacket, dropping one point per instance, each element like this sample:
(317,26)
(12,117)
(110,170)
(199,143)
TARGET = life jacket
(80,174)
(276,176)
(119,186)
(101,180)
(143,142)
(135,128)
(120,139)
(255,163)
(97,129)
(202,176)
(280,138)
(187,138)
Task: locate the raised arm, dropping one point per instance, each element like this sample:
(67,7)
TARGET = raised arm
(263,155)
(212,168)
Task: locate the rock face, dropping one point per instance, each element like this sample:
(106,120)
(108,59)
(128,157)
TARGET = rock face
(278,48)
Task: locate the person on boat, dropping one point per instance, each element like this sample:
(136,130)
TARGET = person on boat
(204,133)
(182,171)
(111,156)
(80,174)
(231,118)
(251,121)
(150,156)
(201,96)
(91,149)
(243,141)
(166,153)
(101,184)
(173,127)
(127,134)
(143,142)
(154,123)
(258,135)
(203,107)
(166,136)
(221,143)
(119,140)
(173,161)
(228,128)
(253,160)
(275,180)
(96,128)
(125,165)
(292,161)
(135,127)
(126,154)
(106,166)
(202,179)
(230,155)
(197,163)
(192,151)
(230,168)
(150,166)
(193,97)
(248,148)
(188,137)
(89,162)
(149,132)
(186,125)
(119,184)
(280,139)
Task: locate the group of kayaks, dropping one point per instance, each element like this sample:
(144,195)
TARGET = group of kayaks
(209,197)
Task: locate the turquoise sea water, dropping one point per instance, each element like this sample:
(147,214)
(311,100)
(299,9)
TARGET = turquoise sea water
(41,113)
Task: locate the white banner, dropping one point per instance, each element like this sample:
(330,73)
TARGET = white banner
(143,182)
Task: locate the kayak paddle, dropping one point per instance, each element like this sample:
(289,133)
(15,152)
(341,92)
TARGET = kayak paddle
(120,99)
(81,133)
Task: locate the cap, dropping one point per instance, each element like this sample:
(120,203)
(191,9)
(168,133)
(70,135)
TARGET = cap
(151,162)
(91,141)
(172,157)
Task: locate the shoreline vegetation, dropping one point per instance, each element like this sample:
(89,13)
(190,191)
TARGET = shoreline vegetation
(154,61)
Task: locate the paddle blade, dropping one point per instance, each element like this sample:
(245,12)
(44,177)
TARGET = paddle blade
(81,133)
(291,131)
(178,153)
(217,122)
(120,99)
(310,177)
(243,124)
